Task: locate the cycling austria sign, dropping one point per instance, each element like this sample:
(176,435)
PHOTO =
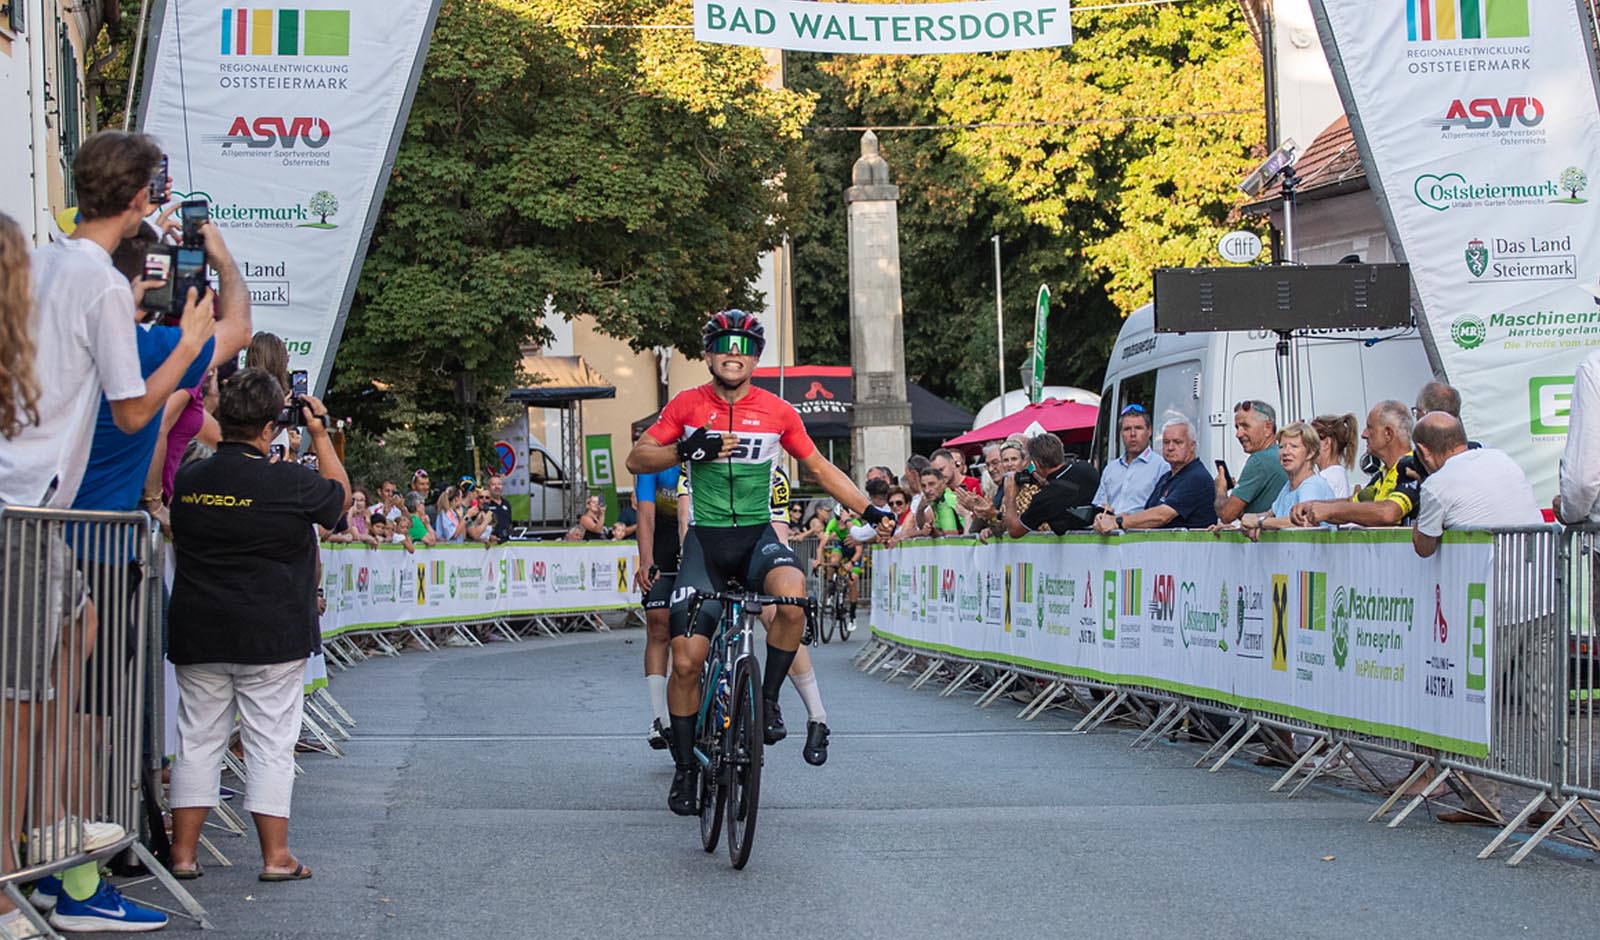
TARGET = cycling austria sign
(1478,123)
(377,588)
(885,28)
(1345,630)
(285,120)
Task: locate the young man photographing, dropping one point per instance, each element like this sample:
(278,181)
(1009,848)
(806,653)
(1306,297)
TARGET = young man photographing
(83,326)
(730,434)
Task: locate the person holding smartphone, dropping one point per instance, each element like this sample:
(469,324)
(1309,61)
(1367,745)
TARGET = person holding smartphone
(1255,426)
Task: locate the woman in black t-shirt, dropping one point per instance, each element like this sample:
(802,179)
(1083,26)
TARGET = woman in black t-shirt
(243,616)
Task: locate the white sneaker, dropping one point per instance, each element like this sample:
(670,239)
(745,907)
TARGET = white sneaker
(57,841)
(14,926)
(456,640)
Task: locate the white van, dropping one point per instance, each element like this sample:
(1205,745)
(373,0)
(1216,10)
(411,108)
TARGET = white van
(1202,375)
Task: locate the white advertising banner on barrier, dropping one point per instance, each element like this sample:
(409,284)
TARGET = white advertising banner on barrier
(885,28)
(373,588)
(286,121)
(1352,631)
(1479,127)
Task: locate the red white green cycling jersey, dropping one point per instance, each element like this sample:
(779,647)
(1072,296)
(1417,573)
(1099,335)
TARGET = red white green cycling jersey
(736,491)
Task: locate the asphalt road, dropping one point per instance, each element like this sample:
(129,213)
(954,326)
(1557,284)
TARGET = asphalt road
(507,792)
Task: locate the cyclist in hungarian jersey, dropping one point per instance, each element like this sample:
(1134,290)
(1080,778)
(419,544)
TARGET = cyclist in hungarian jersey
(730,433)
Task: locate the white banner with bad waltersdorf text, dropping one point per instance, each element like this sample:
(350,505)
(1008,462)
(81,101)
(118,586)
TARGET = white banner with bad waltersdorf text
(1479,126)
(378,588)
(1346,630)
(885,28)
(286,121)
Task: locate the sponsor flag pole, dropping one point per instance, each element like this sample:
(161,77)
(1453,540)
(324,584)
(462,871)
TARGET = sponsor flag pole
(1478,126)
(288,122)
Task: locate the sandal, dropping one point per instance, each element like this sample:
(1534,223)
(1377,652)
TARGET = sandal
(300,873)
(187,874)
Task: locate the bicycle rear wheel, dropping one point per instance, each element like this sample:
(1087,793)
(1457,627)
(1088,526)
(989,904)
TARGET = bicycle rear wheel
(844,612)
(741,754)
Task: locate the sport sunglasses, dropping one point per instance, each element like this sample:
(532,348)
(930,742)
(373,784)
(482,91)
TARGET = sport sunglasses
(734,344)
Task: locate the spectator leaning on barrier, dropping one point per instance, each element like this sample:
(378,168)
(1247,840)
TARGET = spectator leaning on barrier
(414,522)
(1390,497)
(1578,498)
(1466,488)
(939,512)
(1336,451)
(1297,449)
(243,617)
(991,469)
(1182,498)
(1255,425)
(389,501)
(1126,482)
(1065,499)
(447,518)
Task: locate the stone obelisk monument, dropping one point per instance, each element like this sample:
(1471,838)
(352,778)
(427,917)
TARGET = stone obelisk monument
(881,425)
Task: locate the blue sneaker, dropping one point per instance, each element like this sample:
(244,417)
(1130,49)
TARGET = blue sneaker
(45,892)
(106,910)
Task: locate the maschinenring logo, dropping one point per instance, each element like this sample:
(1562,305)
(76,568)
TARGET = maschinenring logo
(1468,331)
(1340,627)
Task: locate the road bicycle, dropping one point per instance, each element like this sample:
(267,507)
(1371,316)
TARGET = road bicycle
(838,612)
(731,726)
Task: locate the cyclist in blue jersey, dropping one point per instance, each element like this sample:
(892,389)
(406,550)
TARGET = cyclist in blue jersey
(656,497)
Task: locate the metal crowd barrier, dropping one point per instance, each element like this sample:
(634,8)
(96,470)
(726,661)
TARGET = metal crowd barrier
(79,592)
(1544,717)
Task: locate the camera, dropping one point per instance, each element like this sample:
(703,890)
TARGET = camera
(181,267)
(299,388)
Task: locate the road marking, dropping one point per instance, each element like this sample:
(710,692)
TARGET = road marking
(488,738)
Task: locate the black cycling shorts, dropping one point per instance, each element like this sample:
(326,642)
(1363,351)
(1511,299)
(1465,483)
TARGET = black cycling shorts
(659,597)
(711,557)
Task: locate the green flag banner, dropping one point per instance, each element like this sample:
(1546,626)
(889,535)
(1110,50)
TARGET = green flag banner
(602,478)
(1041,325)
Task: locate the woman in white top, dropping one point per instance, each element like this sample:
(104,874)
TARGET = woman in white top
(1297,447)
(1336,452)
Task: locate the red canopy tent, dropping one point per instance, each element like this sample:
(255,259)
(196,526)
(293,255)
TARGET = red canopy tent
(1072,421)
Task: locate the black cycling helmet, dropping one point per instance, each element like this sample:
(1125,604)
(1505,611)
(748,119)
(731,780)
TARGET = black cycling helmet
(733,323)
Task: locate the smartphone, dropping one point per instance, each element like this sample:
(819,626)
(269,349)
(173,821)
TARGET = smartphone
(299,383)
(1222,471)
(279,451)
(194,213)
(158,184)
(158,260)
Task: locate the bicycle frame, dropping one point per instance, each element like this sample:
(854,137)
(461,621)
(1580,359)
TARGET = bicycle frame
(733,628)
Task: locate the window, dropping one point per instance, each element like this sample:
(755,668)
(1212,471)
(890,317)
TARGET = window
(542,469)
(68,112)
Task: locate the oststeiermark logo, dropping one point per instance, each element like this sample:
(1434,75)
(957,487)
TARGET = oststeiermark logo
(1468,331)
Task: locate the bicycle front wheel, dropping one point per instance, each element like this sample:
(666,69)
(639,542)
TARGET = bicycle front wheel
(825,628)
(741,755)
(712,792)
(845,613)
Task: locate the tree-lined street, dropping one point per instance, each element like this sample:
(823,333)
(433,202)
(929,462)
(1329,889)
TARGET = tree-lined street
(508,792)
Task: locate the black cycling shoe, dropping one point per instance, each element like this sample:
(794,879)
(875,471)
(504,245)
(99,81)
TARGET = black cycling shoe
(657,736)
(816,752)
(684,797)
(775,730)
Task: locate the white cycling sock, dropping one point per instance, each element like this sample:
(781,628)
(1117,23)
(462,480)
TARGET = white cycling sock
(806,684)
(658,698)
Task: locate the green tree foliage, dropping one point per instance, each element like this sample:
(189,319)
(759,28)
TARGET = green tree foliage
(625,174)
(1083,198)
